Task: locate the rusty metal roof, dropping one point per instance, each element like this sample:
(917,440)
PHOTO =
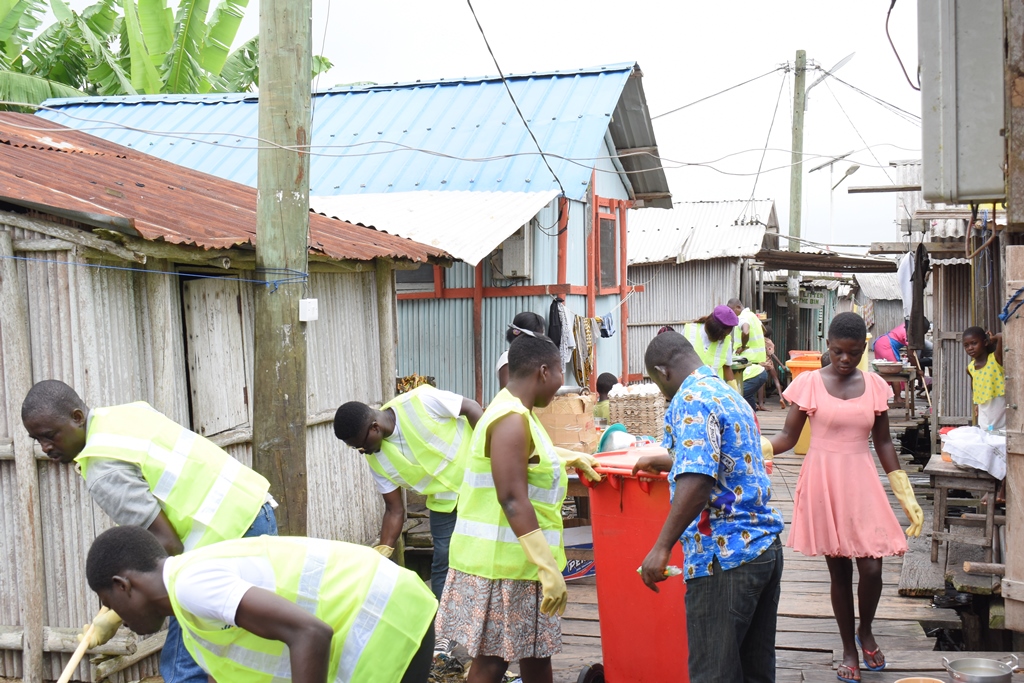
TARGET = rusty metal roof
(43,164)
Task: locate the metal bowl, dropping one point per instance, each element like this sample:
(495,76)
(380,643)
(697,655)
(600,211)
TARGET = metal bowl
(980,670)
(888,368)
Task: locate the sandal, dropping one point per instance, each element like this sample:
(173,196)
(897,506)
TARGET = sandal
(851,672)
(873,654)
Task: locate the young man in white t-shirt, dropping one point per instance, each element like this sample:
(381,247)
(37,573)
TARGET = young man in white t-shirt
(382,436)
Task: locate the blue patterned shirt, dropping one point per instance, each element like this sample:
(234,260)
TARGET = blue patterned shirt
(710,430)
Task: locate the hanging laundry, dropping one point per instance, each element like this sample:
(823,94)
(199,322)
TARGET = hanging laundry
(583,354)
(554,321)
(566,342)
(607,325)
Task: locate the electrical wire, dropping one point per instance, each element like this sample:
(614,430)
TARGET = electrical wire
(863,141)
(760,164)
(508,89)
(721,92)
(902,113)
(896,52)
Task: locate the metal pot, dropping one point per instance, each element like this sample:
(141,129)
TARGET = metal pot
(980,670)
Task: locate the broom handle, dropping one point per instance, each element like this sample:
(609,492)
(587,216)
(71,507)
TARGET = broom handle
(76,657)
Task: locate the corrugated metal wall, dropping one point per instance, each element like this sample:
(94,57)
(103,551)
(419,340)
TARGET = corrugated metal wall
(118,337)
(435,338)
(951,287)
(674,293)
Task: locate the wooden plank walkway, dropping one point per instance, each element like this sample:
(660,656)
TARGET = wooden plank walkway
(808,647)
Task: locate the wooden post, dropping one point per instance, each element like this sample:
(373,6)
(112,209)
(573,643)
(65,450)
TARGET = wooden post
(796,179)
(282,226)
(563,241)
(17,369)
(478,332)
(388,333)
(624,292)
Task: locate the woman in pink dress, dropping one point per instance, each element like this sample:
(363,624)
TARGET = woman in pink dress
(840,508)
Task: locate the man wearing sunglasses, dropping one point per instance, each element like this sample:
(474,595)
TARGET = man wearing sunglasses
(419,440)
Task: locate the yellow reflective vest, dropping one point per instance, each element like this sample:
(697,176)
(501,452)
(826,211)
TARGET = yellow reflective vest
(756,351)
(715,355)
(378,610)
(432,459)
(207,495)
(483,543)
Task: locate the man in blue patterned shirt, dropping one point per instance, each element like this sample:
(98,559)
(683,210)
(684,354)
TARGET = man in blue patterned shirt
(721,514)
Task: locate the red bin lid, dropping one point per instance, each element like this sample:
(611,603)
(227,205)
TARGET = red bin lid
(621,462)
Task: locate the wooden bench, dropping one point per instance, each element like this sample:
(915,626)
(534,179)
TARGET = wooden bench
(946,476)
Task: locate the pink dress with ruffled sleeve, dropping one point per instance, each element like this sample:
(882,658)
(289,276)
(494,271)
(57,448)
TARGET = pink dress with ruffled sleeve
(841,508)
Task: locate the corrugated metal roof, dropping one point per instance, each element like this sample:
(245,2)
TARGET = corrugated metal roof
(67,170)
(370,139)
(699,230)
(879,286)
(468,225)
(941,220)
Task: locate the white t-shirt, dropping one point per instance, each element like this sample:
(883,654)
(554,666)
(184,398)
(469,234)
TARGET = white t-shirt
(502,361)
(439,404)
(212,590)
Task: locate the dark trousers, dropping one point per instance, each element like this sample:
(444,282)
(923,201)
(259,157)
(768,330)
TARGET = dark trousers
(730,621)
(418,670)
(750,387)
(442,526)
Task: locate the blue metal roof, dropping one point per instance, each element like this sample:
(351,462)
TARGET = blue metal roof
(369,138)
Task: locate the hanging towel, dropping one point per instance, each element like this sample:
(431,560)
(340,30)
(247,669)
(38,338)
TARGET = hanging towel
(607,325)
(583,354)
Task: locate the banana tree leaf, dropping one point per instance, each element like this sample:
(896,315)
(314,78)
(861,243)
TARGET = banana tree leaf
(241,69)
(56,55)
(62,11)
(145,77)
(157,22)
(223,28)
(184,73)
(105,72)
(103,18)
(19,22)
(321,65)
(16,87)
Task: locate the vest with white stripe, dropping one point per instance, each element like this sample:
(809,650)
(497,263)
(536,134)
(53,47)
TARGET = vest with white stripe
(378,610)
(207,495)
(717,352)
(756,351)
(435,458)
(483,543)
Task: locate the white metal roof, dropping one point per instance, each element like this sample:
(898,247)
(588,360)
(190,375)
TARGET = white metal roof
(468,225)
(697,231)
(879,286)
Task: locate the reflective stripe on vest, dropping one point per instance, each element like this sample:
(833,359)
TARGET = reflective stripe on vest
(756,351)
(715,355)
(379,611)
(207,495)
(432,459)
(483,543)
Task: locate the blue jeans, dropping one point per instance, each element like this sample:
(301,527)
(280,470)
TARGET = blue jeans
(442,526)
(750,387)
(176,663)
(730,620)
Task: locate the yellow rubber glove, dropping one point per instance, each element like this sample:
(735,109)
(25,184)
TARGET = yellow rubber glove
(584,462)
(384,550)
(104,626)
(904,492)
(735,384)
(767,454)
(539,553)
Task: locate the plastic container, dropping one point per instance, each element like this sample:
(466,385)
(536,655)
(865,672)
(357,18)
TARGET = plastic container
(643,633)
(798,354)
(797,366)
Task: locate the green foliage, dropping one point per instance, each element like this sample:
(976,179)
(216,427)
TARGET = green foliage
(126,47)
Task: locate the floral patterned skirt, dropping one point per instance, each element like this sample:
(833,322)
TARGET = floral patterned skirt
(497,617)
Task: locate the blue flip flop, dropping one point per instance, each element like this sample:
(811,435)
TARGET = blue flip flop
(870,653)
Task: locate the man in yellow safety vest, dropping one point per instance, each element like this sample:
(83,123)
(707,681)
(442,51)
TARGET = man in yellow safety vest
(419,441)
(267,609)
(748,342)
(143,469)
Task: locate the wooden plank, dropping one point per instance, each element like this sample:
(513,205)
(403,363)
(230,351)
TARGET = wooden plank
(828,625)
(68,234)
(978,584)
(920,577)
(17,372)
(920,661)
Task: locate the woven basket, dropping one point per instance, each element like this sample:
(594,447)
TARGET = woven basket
(640,415)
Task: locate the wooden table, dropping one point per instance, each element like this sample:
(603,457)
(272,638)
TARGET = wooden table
(908,377)
(946,476)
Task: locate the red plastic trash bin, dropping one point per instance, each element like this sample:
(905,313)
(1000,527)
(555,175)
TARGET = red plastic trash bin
(643,633)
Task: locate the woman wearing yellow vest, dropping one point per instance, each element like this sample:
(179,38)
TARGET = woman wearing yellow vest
(273,609)
(505,589)
(145,469)
(711,338)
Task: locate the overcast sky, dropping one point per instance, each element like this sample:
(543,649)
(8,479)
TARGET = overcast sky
(687,50)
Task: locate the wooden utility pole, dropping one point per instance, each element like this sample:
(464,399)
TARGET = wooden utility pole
(1013,329)
(282,225)
(796,180)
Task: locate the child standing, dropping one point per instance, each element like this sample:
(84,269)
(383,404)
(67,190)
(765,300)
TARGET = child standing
(605,382)
(840,508)
(505,589)
(988,380)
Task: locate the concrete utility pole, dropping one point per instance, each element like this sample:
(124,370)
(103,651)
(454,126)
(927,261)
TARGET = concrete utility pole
(796,179)
(282,225)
